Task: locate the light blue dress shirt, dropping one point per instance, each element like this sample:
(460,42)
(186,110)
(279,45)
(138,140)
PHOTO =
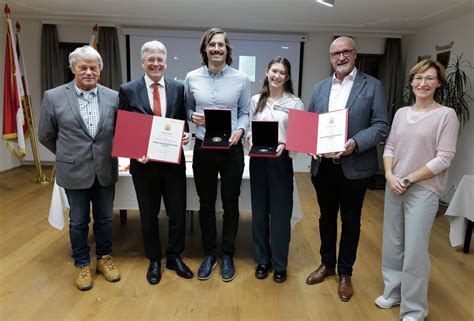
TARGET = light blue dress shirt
(230,88)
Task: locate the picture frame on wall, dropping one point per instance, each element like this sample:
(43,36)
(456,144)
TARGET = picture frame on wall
(420,58)
(443,58)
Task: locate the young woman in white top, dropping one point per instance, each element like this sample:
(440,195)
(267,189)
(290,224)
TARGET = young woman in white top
(271,179)
(417,155)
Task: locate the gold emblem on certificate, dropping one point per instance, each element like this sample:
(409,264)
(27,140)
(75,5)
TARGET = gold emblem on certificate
(263,150)
(216,139)
(168,127)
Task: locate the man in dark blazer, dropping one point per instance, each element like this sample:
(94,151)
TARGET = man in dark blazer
(153,94)
(77,123)
(341,179)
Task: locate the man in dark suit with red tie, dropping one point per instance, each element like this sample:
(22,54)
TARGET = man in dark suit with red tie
(153,94)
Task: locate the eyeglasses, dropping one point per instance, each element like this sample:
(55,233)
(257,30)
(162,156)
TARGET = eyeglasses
(428,80)
(346,53)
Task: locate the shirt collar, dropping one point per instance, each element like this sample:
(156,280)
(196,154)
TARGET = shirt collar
(351,76)
(80,92)
(149,82)
(221,73)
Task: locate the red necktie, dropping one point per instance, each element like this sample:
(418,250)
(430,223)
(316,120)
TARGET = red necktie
(156,100)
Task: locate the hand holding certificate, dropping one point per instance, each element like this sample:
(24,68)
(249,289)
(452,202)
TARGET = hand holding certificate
(159,138)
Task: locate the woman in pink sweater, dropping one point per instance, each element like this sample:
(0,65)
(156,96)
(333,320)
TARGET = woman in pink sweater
(417,155)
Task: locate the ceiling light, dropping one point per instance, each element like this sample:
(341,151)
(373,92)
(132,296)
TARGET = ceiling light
(329,3)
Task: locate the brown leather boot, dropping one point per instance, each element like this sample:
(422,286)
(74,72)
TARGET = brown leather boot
(83,278)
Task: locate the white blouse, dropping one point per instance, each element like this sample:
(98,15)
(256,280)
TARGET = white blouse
(278,111)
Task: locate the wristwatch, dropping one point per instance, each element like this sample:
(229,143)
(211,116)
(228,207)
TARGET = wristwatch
(407,182)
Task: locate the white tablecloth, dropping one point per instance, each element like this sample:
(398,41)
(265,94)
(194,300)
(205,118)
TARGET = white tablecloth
(460,208)
(125,198)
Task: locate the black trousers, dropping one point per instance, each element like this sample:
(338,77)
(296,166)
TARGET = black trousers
(271,184)
(167,181)
(207,164)
(336,192)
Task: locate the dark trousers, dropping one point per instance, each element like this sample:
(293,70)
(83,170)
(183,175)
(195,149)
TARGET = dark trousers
(336,192)
(207,164)
(271,185)
(167,181)
(80,200)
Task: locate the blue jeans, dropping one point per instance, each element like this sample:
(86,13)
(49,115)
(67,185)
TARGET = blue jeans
(80,201)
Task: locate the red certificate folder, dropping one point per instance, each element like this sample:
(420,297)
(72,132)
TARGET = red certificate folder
(132,135)
(302,131)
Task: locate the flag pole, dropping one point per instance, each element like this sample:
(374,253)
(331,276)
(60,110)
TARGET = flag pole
(29,111)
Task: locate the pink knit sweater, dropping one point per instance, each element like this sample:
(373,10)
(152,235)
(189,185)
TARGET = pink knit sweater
(423,138)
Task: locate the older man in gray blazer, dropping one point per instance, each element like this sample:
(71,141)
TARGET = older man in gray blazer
(341,179)
(77,124)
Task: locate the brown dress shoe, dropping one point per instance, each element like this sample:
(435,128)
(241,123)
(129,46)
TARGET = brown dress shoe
(344,290)
(318,275)
(83,278)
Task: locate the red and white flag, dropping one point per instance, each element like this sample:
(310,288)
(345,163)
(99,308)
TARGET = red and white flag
(93,39)
(14,127)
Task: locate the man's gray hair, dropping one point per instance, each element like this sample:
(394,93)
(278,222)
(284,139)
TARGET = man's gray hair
(153,45)
(85,52)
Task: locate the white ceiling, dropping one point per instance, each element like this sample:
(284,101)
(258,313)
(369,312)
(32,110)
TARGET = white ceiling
(371,16)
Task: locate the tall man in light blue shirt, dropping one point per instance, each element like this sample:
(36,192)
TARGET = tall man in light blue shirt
(217,85)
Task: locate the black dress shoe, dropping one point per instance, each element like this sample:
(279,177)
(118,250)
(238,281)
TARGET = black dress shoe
(177,264)
(154,272)
(261,271)
(279,276)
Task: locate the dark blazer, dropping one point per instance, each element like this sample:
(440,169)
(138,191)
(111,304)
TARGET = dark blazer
(79,156)
(368,123)
(133,97)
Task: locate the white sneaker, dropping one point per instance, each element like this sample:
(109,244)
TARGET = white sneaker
(407,318)
(384,303)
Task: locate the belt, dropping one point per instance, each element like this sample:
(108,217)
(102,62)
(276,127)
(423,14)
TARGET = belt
(335,161)
(198,142)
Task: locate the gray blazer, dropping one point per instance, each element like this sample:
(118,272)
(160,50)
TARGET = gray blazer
(79,157)
(368,123)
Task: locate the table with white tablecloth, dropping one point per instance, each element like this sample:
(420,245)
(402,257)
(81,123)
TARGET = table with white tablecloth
(125,198)
(461,213)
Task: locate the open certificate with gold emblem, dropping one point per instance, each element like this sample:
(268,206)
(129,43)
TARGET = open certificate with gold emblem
(165,140)
(332,132)
(138,135)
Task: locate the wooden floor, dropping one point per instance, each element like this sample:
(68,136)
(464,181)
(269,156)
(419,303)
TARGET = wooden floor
(36,272)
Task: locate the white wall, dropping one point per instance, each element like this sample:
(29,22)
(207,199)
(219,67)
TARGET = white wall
(458,30)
